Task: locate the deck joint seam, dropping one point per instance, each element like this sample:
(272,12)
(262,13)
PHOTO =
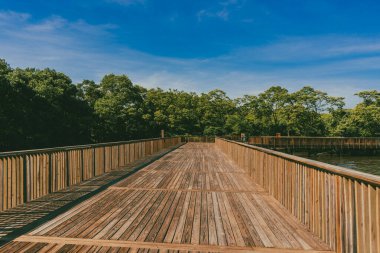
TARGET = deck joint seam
(157,245)
(180,190)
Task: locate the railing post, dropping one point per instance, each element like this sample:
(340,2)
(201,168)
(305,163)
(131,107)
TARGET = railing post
(82,165)
(50,174)
(67,169)
(25,180)
(118,156)
(104,159)
(93,162)
(111,156)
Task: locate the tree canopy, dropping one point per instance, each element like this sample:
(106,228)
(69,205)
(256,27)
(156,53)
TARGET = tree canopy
(44,108)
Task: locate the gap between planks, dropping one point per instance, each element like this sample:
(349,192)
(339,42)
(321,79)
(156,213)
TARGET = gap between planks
(180,190)
(159,246)
(203,171)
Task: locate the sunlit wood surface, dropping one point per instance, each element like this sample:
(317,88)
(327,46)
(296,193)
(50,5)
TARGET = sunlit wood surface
(13,221)
(194,199)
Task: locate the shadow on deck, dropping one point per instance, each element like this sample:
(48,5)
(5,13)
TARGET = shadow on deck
(23,218)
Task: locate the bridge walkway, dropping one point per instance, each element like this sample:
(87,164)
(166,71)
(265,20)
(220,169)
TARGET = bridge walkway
(194,199)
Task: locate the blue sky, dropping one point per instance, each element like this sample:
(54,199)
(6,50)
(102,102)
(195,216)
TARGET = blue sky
(240,46)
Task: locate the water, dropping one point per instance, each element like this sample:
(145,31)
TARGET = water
(368,164)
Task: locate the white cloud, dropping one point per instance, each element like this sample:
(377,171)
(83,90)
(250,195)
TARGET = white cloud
(11,16)
(311,48)
(80,50)
(222,11)
(83,26)
(51,24)
(54,30)
(221,14)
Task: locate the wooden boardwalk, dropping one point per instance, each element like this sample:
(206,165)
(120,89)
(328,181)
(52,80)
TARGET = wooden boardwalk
(15,221)
(194,199)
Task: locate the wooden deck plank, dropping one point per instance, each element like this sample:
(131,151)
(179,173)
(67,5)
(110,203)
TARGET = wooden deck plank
(230,216)
(123,212)
(188,229)
(28,216)
(204,223)
(127,220)
(194,199)
(141,218)
(156,218)
(197,220)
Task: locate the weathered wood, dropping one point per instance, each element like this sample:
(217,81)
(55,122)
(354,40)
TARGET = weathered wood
(339,205)
(32,174)
(193,199)
(203,139)
(320,143)
(65,244)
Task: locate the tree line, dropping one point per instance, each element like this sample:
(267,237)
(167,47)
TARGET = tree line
(44,108)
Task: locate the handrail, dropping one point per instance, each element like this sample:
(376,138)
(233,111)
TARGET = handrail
(317,137)
(83,146)
(197,138)
(308,142)
(338,170)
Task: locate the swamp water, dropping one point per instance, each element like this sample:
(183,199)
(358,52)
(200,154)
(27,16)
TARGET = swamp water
(365,163)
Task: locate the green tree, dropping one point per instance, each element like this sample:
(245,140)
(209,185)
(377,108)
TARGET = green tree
(304,114)
(250,120)
(214,108)
(266,112)
(120,109)
(172,110)
(89,91)
(69,118)
(364,119)
(40,108)
(370,97)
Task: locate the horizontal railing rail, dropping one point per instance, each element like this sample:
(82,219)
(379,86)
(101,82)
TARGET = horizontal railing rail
(31,174)
(207,138)
(339,205)
(102,144)
(198,138)
(316,142)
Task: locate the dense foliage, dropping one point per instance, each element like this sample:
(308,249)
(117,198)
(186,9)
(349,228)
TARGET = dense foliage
(42,108)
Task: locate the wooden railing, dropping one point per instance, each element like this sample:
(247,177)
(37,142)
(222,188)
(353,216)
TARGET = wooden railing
(339,205)
(194,138)
(294,142)
(28,175)
(204,138)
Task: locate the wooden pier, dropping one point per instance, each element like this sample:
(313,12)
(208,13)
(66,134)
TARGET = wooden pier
(193,199)
(220,197)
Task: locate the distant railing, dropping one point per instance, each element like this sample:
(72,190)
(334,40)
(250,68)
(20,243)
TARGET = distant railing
(204,138)
(339,205)
(296,142)
(31,174)
(194,138)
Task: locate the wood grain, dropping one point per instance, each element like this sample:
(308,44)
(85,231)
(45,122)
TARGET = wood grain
(320,143)
(338,205)
(194,198)
(51,170)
